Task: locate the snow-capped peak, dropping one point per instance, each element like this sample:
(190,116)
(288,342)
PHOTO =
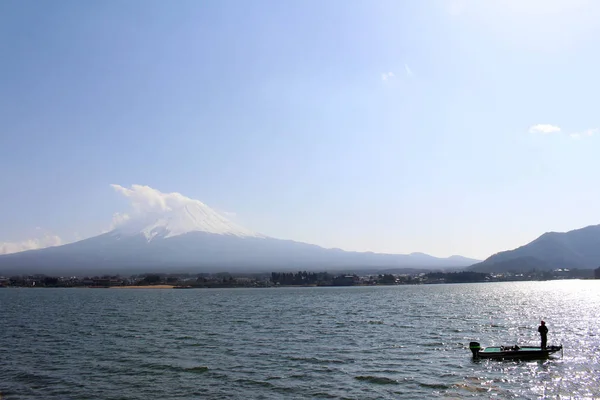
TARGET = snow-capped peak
(194,216)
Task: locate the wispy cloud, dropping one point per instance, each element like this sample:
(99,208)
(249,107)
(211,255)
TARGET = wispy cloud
(30,244)
(387,76)
(547,129)
(146,199)
(118,219)
(587,132)
(408,70)
(544,128)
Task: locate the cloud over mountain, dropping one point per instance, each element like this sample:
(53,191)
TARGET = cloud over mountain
(30,244)
(170,214)
(147,199)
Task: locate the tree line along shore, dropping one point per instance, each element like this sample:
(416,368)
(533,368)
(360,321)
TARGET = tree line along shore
(276,279)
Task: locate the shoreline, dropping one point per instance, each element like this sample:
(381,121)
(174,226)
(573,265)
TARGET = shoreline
(143,287)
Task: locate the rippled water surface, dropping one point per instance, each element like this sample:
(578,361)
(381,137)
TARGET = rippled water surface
(304,343)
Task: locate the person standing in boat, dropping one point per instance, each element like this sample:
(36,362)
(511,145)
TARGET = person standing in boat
(543,330)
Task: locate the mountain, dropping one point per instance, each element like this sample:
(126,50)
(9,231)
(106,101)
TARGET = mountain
(578,248)
(194,238)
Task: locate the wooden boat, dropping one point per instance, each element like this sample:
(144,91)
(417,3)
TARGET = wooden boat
(512,352)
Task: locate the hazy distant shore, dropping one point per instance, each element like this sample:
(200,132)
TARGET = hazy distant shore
(143,287)
(282,279)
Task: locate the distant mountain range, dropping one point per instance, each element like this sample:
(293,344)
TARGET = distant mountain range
(578,248)
(195,238)
(192,237)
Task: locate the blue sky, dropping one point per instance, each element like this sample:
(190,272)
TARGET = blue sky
(445,127)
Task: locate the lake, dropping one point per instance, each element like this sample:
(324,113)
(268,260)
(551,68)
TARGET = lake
(384,342)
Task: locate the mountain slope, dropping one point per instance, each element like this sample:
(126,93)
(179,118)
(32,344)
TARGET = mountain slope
(204,252)
(578,248)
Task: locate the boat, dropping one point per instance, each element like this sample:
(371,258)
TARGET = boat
(512,352)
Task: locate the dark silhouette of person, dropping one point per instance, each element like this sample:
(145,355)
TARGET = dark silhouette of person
(543,330)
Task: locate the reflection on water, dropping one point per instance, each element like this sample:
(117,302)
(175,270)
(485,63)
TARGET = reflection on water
(356,343)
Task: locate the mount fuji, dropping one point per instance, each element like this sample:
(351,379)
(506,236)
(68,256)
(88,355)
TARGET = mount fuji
(189,236)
